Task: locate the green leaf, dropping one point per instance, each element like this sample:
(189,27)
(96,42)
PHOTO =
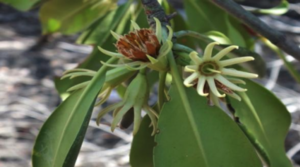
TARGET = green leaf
(71,16)
(60,138)
(266,122)
(178,23)
(282,8)
(21,4)
(99,32)
(203,16)
(100,36)
(222,143)
(63,130)
(141,154)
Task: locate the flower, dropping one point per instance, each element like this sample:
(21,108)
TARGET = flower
(138,44)
(142,48)
(211,74)
(136,99)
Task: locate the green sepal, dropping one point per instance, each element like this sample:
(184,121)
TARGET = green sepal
(162,60)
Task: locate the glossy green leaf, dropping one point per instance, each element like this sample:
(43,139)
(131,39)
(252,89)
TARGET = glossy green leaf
(21,4)
(266,121)
(95,35)
(141,154)
(282,8)
(178,24)
(99,32)
(203,16)
(60,138)
(71,16)
(222,143)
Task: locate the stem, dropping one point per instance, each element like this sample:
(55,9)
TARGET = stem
(179,47)
(276,37)
(153,9)
(161,89)
(281,55)
(143,71)
(197,36)
(182,58)
(194,34)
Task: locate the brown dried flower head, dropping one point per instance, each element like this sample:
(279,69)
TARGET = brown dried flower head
(138,44)
(143,48)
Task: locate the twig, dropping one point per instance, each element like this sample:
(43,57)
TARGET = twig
(276,37)
(153,9)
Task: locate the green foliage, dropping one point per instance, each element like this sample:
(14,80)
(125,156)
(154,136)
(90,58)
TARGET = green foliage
(257,66)
(60,138)
(266,121)
(99,34)
(177,144)
(204,16)
(190,132)
(71,16)
(21,4)
(141,153)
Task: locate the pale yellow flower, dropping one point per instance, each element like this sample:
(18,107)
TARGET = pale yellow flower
(211,74)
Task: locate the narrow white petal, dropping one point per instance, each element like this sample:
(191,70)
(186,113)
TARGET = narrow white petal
(208,50)
(195,58)
(187,82)
(236,73)
(200,86)
(213,88)
(134,25)
(235,96)
(236,81)
(229,84)
(235,61)
(109,53)
(224,52)
(190,68)
(214,99)
(215,71)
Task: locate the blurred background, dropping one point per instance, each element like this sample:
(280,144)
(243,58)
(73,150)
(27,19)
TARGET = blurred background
(30,61)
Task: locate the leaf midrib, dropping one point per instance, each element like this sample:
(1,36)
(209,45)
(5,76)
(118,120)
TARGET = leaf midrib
(87,91)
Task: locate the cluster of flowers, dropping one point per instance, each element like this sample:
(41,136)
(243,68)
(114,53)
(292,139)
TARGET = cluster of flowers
(146,48)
